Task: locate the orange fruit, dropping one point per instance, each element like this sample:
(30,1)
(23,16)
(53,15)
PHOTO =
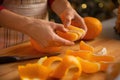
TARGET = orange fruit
(104,65)
(85,46)
(68,62)
(73,34)
(94,26)
(44,50)
(89,66)
(33,71)
(107,58)
(48,62)
(80,53)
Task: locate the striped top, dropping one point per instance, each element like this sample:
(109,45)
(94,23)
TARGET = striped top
(30,8)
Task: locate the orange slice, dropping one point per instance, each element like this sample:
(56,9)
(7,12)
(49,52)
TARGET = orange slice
(88,55)
(104,65)
(33,71)
(68,35)
(85,46)
(63,68)
(107,58)
(77,30)
(89,66)
(80,53)
(73,34)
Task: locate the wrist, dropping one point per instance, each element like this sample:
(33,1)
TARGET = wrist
(25,24)
(59,6)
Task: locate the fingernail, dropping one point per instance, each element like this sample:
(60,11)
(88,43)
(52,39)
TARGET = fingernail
(66,30)
(70,43)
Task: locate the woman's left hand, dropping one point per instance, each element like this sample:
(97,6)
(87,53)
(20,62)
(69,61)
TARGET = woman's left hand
(67,14)
(71,17)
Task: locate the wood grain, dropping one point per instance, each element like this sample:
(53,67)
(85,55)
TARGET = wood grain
(10,72)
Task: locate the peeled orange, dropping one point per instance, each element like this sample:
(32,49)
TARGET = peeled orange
(73,34)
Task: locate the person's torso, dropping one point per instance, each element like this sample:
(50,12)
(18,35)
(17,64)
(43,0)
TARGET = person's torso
(30,8)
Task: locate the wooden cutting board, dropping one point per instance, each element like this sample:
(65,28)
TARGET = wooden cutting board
(109,41)
(9,71)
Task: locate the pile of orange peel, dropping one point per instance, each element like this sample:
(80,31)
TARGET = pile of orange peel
(77,62)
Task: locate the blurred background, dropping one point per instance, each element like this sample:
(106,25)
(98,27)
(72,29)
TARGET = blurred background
(101,9)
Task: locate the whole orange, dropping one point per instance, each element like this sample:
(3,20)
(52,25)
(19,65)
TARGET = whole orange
(94,26)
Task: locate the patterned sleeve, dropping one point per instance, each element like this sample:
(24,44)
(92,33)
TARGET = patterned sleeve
(50,2)
(1,7)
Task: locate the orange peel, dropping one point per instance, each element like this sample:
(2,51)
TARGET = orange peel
(48,62)
(33,71)
(83,60)
(65,65)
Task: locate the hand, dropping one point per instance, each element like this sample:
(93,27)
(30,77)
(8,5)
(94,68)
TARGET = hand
(67,14)
(43,32)
(71,17)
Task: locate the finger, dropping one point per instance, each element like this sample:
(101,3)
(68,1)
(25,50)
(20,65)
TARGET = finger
(82,22)
(61,27)
(63,41)
(67,21)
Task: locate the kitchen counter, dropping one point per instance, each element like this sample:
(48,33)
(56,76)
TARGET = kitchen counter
(108,39)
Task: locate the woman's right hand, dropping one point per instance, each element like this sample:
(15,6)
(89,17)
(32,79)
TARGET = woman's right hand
(43,32)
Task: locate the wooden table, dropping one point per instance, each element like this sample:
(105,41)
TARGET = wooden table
(108,39)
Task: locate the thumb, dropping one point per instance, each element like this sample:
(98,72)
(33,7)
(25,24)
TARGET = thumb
(61,27)
(67,21)
(63,41)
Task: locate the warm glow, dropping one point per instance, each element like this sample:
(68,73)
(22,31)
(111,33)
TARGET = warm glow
(30,79)
(100,5)
(84,6)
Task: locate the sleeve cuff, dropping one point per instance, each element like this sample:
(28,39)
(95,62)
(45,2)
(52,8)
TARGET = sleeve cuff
(50,2)
(1,7)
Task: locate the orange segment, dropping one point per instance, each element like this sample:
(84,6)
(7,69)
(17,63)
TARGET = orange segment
(85,46)
(77,30)
(104,65)
(73,34)
(81,53)
(107,58)
(89,66)
(94,27)
(33,71)
(46,49)
(68,35)
(63,68)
